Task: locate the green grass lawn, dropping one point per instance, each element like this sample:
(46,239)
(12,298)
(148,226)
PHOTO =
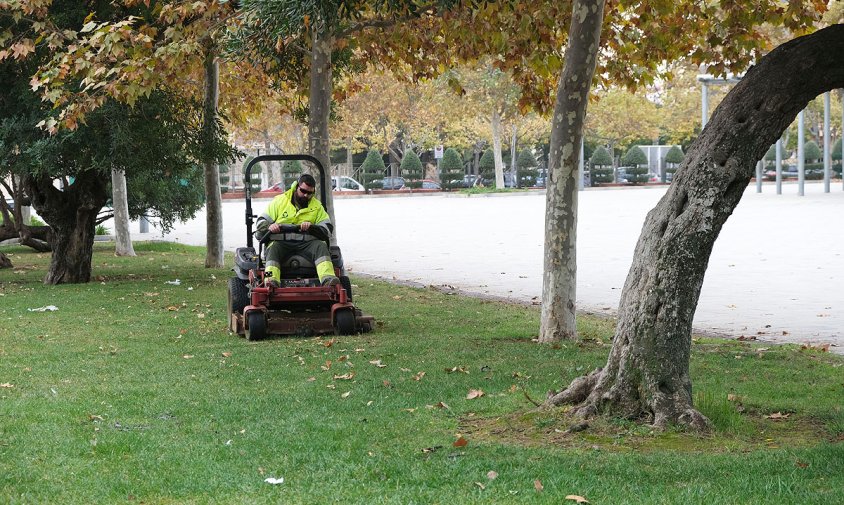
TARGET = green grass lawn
(133,391)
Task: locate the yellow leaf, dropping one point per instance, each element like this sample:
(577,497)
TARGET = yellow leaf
(346,394)
(578,499)
(474,393)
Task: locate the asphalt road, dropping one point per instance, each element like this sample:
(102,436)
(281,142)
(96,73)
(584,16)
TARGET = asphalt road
(776,271)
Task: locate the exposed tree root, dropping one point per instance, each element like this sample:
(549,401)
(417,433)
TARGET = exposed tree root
(5,262)
(588,403)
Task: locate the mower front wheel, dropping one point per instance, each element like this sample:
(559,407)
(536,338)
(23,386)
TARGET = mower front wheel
(256,327)
(344,322)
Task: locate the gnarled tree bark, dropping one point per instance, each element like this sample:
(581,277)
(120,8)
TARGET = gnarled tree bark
(647,372)
(72,215)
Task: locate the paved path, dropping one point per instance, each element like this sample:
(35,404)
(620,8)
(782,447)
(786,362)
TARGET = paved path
(776,271)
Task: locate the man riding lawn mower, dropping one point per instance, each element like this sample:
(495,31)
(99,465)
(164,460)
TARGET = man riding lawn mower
(297,285)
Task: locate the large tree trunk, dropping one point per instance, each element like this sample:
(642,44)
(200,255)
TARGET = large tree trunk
(120,201)
(5,262)
(647,372)
(320,107)
(72,215)
(496,148)
(213,200)
(559,278)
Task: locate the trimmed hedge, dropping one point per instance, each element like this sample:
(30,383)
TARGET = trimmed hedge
(451,168)
(601,166)
(372,169)
(811,151)
(526,164)
(290,172)
(486,166)
(636,162)
(411,169)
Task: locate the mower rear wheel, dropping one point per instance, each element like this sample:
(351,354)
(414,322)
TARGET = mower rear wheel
(238,296)
(256,329)
(344,322)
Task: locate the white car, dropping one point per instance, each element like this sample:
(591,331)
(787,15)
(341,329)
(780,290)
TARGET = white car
(344,183)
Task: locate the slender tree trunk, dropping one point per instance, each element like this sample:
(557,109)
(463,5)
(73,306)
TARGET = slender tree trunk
(496,148)
(320,107)
(349,160)
(647,372)
(213,199)
(514,155)
(559,280)
(120,201)
(72,215)
(270,167)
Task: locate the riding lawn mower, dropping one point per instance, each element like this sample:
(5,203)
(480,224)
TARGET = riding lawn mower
(295,304)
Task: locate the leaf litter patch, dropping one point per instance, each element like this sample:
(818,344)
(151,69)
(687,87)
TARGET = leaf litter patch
(559,428)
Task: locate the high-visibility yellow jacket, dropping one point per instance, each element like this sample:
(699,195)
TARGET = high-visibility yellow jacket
(283,211)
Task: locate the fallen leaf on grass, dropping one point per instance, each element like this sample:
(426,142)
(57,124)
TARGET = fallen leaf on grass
(743,338)
(409,410)
(578,499)
(731,397)
(397,297)
(460,442)
(311,379)
(428,450)
(461,369)
(327,366)
(377,362)
(801,464)
(537,484)
(227,354)
(7,385)
(188,356)
(346,394)
(474,393)
(492,475)
(345,376)
(418,377)
(817,347)
(173,308)
(440,405)
(405,369)
(519,375)
(777,416)
(274,481)
(329,343)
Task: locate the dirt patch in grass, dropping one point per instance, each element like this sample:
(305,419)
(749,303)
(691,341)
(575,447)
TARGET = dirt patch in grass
(557,428)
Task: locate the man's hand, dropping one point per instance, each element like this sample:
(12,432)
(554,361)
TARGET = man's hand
(275,228)
(304,225)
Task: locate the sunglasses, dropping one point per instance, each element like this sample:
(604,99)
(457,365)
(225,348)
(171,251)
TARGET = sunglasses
(305,191)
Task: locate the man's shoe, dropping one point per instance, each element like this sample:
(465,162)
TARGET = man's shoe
(270,282)
(330,281)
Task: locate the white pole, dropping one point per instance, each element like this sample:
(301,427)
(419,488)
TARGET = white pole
(704,114)
(827,162)
(779,165)
(580,165)
(801,163)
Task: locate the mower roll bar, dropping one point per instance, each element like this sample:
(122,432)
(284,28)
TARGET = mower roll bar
(247,183)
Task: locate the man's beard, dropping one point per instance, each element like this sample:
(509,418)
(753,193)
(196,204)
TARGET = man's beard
(301,202)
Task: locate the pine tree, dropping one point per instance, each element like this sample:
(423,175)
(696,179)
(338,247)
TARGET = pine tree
(486,166)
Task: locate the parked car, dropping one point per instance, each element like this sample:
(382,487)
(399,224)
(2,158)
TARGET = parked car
(541,176)
(344,183)
(471,180)
(429,184)
(390,183)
